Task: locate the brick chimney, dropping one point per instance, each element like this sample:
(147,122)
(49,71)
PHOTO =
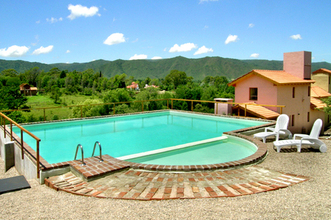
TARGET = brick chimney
(298,64)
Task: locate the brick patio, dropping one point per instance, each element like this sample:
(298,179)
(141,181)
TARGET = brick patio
(148,185)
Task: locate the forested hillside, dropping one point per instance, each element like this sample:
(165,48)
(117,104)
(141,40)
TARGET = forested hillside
(140,69)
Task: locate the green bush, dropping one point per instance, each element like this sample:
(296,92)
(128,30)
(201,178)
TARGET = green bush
(55,117)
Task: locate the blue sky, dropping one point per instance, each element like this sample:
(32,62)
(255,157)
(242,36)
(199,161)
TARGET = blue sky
(83,31)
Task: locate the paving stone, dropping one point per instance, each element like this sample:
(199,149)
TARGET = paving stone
(145,185)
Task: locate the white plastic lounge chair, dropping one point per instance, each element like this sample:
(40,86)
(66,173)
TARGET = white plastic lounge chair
(280,128)
(311,139)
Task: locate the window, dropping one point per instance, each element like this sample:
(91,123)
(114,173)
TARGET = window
(252,93)
(293,92)
(308,116)
(308,91)
(292,120)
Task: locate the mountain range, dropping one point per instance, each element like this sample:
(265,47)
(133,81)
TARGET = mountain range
(140,69)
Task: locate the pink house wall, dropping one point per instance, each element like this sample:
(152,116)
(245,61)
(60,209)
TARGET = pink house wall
(298,64)
(270,94)
(266,91)
(298,107)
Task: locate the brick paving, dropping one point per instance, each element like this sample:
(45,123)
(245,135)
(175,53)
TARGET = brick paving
(148,185)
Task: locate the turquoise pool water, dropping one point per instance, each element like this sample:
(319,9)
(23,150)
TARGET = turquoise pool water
(229,149)
(125,135)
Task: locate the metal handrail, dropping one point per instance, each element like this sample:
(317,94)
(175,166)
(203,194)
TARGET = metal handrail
(97,142)
(81,147)
(3,119)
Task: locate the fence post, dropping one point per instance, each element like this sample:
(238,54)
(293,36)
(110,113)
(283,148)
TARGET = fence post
(192,106)
(281,110)
(4,127)
(245,109)
(38,168)
(11,131)
(81,111)
(22,144)
(44,114)
(216,108)
(167,103)
(172,103)
(114,109)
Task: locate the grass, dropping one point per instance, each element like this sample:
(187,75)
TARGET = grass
(61,112)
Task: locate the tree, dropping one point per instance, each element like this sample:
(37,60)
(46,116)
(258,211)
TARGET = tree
(9,72)
(63,74)
(88,109)
(118,95)
(55,94)
(32,75)
(11,98)
(176,78)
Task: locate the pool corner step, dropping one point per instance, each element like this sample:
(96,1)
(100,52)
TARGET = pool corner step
(95,169)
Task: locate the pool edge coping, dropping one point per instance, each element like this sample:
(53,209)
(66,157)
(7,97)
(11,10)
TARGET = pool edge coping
(257,157)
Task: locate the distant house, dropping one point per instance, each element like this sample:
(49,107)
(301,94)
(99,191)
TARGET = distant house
(134,86)
(291,87)
(147,86)
(26,89)
(322,78)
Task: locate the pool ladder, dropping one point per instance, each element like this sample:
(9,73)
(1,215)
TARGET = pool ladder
(81,148)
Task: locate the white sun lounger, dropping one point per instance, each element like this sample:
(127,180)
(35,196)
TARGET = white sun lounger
(280,128)
(311,139)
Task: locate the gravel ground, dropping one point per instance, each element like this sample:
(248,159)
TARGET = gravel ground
(307,200)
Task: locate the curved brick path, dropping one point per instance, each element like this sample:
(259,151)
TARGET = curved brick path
(145,185)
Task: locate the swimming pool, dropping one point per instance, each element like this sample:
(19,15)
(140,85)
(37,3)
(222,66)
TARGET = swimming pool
(132,134)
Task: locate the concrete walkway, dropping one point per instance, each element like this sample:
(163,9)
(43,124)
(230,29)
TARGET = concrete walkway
(148,185)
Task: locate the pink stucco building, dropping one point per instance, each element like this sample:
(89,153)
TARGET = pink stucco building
(290,87)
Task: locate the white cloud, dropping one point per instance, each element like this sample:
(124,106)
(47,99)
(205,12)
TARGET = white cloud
(115,38)
(231,38)
(53,20)
(296,37)
(251,25)
(138,57)
(14,51)
(79,10)
(203,49)
(183,48)
(255,55)
(43,50)
(38,22)
(68,51)
(156,58)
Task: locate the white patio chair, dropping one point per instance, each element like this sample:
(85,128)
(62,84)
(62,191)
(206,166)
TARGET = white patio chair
(311,139)
(280,128)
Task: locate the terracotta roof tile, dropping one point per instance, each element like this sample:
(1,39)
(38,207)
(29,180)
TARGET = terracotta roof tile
(322,70)
(278,77)
(316,103)
(318,92)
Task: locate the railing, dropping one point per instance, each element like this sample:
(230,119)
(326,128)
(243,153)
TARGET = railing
(230,103)
(11,122)
(142,105)
(97,142)
(81,106)
(81,148)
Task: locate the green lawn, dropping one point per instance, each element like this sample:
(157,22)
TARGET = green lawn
(61,112)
